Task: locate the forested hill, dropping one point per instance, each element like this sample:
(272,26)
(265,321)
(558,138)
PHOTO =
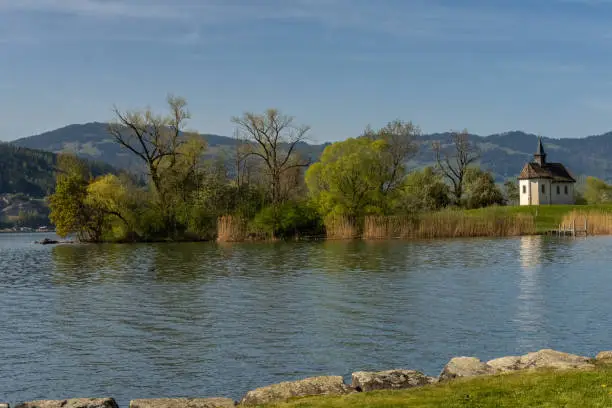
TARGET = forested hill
(92,141)
(31,171)
(504,153)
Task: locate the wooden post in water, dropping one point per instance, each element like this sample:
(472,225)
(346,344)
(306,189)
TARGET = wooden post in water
(574,228)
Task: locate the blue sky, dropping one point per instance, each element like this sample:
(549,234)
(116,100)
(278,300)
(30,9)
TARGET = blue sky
(543,66)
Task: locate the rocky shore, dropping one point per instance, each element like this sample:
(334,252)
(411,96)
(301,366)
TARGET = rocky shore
(362,381)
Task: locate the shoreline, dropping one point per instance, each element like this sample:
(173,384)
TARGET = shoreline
(551,234)
(458,368)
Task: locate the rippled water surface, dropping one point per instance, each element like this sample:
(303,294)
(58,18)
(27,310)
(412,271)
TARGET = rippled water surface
(161,320)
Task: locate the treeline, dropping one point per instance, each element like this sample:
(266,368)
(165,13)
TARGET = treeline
(31,172)
(595,191)
(267,189)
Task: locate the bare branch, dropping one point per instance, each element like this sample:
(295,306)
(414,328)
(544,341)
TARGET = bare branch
(273,138)
(464,154)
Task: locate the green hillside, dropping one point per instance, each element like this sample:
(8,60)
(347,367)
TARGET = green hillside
(92,141)
(32,172)
(27,176)
(504,153)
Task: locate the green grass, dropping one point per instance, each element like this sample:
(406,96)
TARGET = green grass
(547,217)
(527,389)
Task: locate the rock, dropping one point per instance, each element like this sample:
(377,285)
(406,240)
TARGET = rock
(465,367)
(604,356)
(505,364)
(331,385)
(183,403)
(47,241)
(71,403)
(389,380)
(546,358)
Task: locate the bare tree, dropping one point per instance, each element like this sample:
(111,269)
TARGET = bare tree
(151,137)
(272,137)
(401,146)
(454,161)
(169,153)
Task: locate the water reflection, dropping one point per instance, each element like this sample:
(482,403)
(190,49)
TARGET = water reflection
(530,298)
(155,320)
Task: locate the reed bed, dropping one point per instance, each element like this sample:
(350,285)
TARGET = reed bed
(442,224)
(449,224)
(389,227)
(338,227)
(231,228)
(598,222)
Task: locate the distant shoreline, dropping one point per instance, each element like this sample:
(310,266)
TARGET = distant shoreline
(26,232)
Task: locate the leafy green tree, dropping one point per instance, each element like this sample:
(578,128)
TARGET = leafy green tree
(349,178)
(69,211)
(289,220)
(424,190)
(364,175)
(400,146)
(115,199)
(597,191)
(480,189)
(511,192)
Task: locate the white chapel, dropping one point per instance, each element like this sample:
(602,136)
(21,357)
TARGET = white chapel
(542,183)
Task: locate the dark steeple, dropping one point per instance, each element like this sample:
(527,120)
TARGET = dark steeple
(540,155)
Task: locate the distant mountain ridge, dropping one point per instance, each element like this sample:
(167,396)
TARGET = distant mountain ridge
(502,153)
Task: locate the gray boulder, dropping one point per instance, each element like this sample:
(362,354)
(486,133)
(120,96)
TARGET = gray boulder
(71,403)
(389,380)
(465,367)
(183,403)
(332,385)
(549,359)
(605,356)
(506,364)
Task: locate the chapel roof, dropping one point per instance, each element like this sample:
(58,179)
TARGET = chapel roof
(554,171)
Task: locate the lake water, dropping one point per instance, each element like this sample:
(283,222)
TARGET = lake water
(166,320)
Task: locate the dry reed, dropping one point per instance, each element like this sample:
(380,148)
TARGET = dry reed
(449,224)
(339,227)
(231,228)
(599,222)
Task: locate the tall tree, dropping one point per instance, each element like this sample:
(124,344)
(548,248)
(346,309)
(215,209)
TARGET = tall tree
(480,189)
(454,161)
(116,199)
(70,212)
(349,179)
(272,137)
(400,138)
(597,191)
(159,142)
(511,192)
(424,190)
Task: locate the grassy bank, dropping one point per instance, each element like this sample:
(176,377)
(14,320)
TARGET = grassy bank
(547,217)
(535,389)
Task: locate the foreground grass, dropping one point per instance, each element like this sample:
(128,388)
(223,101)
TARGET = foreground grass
(547,217)
(535,389)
